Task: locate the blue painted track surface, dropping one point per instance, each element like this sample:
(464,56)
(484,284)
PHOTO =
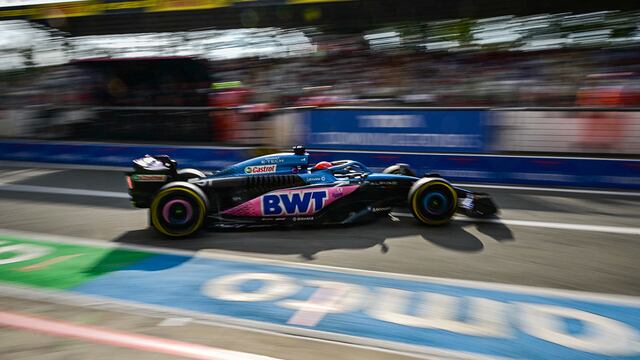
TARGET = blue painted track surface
(403,312)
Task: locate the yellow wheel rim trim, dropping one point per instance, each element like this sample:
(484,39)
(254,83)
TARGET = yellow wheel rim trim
(154,215)
(414,202)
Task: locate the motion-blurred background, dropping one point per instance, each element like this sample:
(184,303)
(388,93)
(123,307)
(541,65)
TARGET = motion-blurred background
(543,78)
(535,102)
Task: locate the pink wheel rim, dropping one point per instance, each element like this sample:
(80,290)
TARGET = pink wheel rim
(167,208)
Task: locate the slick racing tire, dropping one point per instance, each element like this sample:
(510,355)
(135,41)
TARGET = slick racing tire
(178,210)
(399,169)
(433,201)
(186,174)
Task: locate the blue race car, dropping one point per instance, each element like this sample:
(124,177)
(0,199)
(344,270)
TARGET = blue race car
(284,189)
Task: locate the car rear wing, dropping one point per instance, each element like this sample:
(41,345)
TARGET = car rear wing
(155,164)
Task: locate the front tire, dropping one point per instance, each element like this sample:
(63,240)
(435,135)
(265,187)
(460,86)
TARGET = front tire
(433,201)
(178,210)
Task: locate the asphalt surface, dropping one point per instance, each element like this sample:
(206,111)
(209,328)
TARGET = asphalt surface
(577,258)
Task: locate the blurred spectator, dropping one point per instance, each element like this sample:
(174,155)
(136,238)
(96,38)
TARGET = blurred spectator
(499,79)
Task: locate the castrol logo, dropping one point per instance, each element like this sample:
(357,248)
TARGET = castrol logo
(260,169)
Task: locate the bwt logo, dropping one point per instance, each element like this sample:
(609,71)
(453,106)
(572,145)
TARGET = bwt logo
(293,203)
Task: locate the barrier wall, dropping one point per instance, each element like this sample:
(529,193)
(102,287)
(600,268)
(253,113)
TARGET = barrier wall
(541,171)
(469,144)
(500,169)
(461,130)
(453,143)
(474,130)
(401,129)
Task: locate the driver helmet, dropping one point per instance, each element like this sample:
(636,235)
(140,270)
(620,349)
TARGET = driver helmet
(322,165)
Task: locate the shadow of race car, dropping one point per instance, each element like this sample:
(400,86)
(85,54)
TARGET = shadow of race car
(284,189)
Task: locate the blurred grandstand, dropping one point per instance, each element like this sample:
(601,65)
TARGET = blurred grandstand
(535,60)
(520,54)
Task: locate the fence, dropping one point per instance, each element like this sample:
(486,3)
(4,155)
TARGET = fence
(569,131)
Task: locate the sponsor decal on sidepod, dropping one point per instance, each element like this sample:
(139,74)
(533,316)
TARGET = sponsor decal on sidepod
(291,202)
(149,178)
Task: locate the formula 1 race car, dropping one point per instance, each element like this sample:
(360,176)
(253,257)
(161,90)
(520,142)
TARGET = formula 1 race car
(284,189)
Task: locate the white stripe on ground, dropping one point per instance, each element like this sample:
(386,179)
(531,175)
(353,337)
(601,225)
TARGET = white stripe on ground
(122,339)
(62,191)
(316,308)
(48,165)
(562,226)
(158,311)
(558,190)
(548,225)
(13,176)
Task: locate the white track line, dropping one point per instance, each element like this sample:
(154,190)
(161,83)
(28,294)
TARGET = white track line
(122,339)
(562,226)
(559,190)
(58,166)
(156,311)
(13,176)
(548,225)
(63,191)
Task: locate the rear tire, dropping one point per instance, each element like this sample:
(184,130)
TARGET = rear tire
(433,201)
(178,210)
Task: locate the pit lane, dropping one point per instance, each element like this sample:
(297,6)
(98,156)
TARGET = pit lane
(538,256)
(575,259)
